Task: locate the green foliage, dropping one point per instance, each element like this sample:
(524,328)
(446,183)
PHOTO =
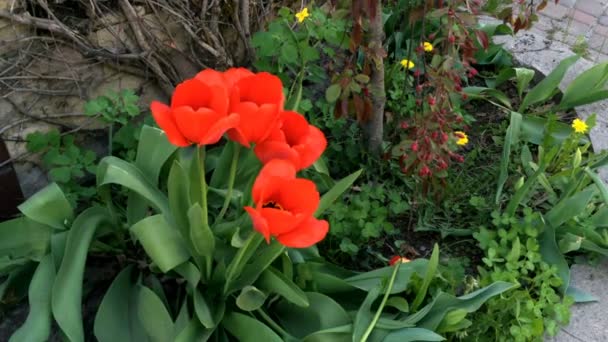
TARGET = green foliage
(114,107)
(513,253)
(73,167)
(365,215)
(67,164)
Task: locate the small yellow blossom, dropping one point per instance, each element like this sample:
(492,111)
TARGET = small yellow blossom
(579,126)
(463,139)
(303,14)
(406,63)
(428,47)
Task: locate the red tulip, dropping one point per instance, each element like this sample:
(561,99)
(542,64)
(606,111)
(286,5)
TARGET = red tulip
(258,99)
(297,141)
(284,206)
(397,258)
(198,113)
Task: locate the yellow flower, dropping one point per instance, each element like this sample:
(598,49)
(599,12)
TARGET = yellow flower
(579,126)
(462,138)
(406,63)
(303,14)
(428,47)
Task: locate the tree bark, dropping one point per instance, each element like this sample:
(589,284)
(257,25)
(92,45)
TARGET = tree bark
(374,128)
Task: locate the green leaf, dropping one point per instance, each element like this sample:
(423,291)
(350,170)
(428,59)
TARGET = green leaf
(332,93)
(368,280)
(154,316)
(412,334)
(322,313)
(289,54)
(208,318)
(190,272)
(153,151)
(580,296)
(162,242)
(248,329)
(551,255)
(37,326)
(444,302)
(262,259)
(569,207)
(488,94)
(547,87)
(179,200)
(273,281)
(250,298)
(428,278)
(599,183)
(398,303)
(364,315)
(511,139)
(523,77)
(114,170)
(116,319)
(49,206)
(200,234)
(588,87)
(67,289)
(194,331)
(338,189)
(24,238)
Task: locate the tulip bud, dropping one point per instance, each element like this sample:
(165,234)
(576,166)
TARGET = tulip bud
(414,146)
(473,72)
(431,101)
(519,183)
(578,157)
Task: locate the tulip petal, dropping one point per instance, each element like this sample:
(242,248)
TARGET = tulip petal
(233,75)
(261,88)
(211,77)
(195,125)
(271,176)
(192,93)
(259,222)
(280,221)
(269,150)
(256,123)
(214,134)
(311,148)
(299,196)
(306,234)
(295,127)
(164,119)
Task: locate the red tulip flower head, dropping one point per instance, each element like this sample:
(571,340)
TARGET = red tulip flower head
(397,259)
(258,100)
(296,141)
(284,206)
(198,113)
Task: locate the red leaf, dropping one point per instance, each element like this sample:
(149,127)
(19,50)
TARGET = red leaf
(483,39)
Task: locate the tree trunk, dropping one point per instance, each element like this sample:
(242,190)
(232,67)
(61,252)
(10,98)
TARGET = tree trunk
(374,127)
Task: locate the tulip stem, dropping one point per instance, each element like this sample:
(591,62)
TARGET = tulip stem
(231,178)
(389,288)
(205,215)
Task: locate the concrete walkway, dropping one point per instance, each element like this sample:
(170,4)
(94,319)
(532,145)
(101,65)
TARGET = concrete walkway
(581,24)
(571,26)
